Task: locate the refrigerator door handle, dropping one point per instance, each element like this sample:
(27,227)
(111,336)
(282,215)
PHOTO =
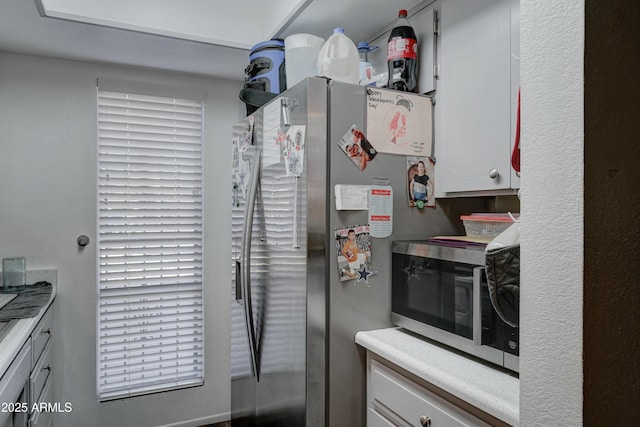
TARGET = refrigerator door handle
(243,266)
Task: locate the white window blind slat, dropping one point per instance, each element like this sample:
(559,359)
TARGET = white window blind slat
(119,153)
(117,139)
(137,347)
(155,366)
(153,331)
(168,280)
(148,293)
(150,306)
(171,312)
(145,113)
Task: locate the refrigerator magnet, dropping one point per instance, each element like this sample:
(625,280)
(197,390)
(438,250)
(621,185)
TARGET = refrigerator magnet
(357,147)
(351,197)
(292,147)
(396,122)
(420,185)
(364,276)
(353,247)
(241,167)
(272,135)
(381,208)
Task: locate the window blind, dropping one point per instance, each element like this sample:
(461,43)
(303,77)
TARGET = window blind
(150,316)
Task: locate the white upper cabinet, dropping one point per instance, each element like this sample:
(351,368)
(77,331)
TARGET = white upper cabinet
(476,97)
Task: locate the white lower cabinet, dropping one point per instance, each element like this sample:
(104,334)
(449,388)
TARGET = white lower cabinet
(40,380)
(14,389)
(26,386)
(395,400)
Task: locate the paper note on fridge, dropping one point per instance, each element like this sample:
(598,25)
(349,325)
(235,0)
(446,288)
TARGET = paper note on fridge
(272,135)
(399,122)
(352,197)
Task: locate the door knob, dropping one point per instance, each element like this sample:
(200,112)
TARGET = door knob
(82,240)
(425,421)
(493,173)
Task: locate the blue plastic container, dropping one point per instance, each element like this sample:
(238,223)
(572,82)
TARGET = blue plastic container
(266,70)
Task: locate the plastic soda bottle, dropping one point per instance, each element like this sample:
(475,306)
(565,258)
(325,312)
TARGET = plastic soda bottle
(402,56)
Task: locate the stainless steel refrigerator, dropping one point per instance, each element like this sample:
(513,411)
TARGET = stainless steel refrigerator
(294,361)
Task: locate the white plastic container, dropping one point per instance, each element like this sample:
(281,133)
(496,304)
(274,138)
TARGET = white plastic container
(339,59)
(301,55)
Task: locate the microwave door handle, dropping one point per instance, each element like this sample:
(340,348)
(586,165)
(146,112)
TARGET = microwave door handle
(477,305)
(243,266)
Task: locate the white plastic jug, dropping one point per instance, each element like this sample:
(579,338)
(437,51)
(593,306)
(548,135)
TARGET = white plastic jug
(301,53)
(338,59)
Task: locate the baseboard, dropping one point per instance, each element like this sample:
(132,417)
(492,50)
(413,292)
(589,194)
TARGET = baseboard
(213,419)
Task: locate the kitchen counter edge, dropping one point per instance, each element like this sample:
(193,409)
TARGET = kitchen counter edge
(493,391)
(19,333)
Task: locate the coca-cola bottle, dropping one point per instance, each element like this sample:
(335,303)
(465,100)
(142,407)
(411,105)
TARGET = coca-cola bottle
(402,56)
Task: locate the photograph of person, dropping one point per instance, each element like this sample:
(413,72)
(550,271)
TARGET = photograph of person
(293,150)
(354,250)
(420,184)
(357,147)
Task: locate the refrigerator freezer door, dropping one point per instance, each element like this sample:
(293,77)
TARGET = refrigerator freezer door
(281,391)
(277,267)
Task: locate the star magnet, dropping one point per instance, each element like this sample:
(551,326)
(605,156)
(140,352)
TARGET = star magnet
(364,276)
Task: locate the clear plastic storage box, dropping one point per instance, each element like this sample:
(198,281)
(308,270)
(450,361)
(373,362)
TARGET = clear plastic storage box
(486,225)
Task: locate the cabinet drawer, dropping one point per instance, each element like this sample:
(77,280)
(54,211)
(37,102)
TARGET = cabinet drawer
(40,373)
(414,404)
(375,419)
(41,335)
(43,418)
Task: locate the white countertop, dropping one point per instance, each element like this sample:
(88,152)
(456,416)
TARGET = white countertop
(15,339)
(490,390)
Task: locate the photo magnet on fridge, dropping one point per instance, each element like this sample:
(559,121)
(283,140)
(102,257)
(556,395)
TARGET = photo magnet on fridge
(353,245)
(420,185)
(292,147)
(357,147)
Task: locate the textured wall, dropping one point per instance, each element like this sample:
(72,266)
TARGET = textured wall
(552,46)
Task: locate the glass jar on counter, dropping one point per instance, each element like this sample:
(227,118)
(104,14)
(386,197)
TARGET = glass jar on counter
(14,274)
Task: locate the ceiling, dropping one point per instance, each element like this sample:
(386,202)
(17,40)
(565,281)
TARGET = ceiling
(195,36)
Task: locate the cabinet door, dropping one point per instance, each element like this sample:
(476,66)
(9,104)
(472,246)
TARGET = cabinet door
(473,133)
(422,22)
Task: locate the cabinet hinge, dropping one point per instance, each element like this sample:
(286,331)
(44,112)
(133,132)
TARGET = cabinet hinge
(436,34)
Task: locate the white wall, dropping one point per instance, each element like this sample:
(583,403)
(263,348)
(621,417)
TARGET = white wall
(551,367)
(47,199)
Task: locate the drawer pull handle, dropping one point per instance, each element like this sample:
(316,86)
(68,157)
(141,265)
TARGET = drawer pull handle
(48,331)
(425,421)
(47,368)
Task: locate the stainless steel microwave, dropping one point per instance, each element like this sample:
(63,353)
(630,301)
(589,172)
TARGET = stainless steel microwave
(441,292)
